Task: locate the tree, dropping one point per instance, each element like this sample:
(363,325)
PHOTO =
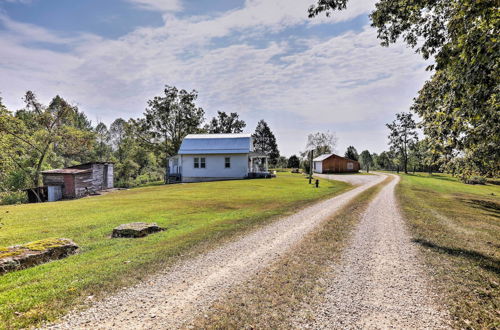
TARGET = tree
(366,160)
(37,132)
(293,162)
(459,104)
(103,139)
(321,143)
(169,119)
(403,136)
(225,123)
(264,141)
(351,153)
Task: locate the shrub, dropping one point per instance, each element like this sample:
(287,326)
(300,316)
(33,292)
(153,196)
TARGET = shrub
(476,180)
(13,197)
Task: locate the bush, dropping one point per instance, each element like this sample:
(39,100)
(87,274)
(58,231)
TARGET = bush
(476,180)
(13,197)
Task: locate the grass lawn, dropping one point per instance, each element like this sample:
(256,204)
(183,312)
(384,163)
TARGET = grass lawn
(458,228)
(197,217)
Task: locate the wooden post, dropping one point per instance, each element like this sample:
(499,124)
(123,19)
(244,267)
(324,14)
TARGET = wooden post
(317,183)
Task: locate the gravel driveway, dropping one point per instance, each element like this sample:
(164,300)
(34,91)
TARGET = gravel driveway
(379,283)
(177,295)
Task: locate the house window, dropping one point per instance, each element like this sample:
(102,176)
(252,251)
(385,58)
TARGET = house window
(227,162)
(199,162)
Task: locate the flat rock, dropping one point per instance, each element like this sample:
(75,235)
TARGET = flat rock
(136,229)
(34,253)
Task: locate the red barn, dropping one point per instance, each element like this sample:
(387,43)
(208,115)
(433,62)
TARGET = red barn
(331,163)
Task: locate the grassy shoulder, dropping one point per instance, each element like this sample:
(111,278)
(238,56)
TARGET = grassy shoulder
(458,229)
(290,287)
(196,216)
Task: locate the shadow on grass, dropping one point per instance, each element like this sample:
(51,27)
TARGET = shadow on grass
(486,262)
(491,207)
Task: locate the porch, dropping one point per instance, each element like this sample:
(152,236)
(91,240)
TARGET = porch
(258,166)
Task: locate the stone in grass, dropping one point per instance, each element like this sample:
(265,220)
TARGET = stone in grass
(136,229)
(34,253)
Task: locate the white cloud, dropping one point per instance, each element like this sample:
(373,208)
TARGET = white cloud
(158,5)
(332,83)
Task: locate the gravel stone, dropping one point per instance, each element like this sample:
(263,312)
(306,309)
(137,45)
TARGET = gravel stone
(379,282)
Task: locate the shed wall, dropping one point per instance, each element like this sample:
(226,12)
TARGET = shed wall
(335,164)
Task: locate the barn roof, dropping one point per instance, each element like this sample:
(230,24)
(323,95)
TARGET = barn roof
(195,144)
(322,157)
(325,156)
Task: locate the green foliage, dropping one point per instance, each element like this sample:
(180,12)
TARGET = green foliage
(459,104)
(13,197)
(293,162)
(351,153)
(321,143)
(403,136)
(264,141)
(225,123)
(366,160)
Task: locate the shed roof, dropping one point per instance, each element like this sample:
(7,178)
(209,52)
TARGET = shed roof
(195,144)
(67,171)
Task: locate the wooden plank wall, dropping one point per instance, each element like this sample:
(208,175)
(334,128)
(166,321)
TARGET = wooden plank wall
(335,164)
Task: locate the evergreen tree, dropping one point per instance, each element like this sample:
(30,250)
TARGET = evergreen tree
(264,141)
(351,153)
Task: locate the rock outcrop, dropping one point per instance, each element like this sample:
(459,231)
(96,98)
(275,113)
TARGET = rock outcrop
(34,253)
(136,229)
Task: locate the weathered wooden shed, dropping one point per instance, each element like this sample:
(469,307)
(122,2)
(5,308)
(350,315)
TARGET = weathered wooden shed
(78,181)
(331,163)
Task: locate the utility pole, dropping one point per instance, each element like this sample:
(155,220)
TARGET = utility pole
(311,153)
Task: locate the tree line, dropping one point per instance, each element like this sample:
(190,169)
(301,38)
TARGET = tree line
(458,107)
(40,137)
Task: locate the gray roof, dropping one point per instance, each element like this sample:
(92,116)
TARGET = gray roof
(197,144)
(322,157)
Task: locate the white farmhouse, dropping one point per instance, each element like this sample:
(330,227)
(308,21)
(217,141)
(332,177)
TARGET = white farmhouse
(211,157)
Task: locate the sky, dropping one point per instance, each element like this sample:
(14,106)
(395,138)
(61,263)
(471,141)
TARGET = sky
(262,59)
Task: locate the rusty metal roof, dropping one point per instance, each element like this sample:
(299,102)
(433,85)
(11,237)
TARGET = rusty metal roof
(67,171)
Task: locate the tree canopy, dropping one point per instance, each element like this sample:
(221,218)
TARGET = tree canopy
(225,123)
(459,104)
(351,153)
(321,143)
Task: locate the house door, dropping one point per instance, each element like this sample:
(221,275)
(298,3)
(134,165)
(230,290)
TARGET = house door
(69,185)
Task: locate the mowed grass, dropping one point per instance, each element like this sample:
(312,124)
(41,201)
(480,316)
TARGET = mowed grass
(196,216)
(458,229)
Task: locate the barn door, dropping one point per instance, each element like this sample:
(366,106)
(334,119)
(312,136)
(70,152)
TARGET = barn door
(69,185)
(105,174)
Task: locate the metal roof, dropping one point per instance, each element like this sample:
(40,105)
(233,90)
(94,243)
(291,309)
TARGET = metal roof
(197,144)
(325,156)
(322,157)
(67,171)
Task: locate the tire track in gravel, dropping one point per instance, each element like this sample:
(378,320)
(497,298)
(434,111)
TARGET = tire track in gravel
(379,282)
(184,291)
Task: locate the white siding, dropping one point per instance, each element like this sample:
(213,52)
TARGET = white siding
(318,167)
(215,167)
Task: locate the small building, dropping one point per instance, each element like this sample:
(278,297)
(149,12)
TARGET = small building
(211,157)
(331,163)
(78,181)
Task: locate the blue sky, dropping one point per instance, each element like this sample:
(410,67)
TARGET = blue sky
(263,59)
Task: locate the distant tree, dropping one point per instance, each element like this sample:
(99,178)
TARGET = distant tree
(281,162)
(264,141)
(103,140)
(169,118)
(321,143)
(366,160)
(224,123)
(351,153)
(118,131)
(293,162)
(403,136)
(384,161)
